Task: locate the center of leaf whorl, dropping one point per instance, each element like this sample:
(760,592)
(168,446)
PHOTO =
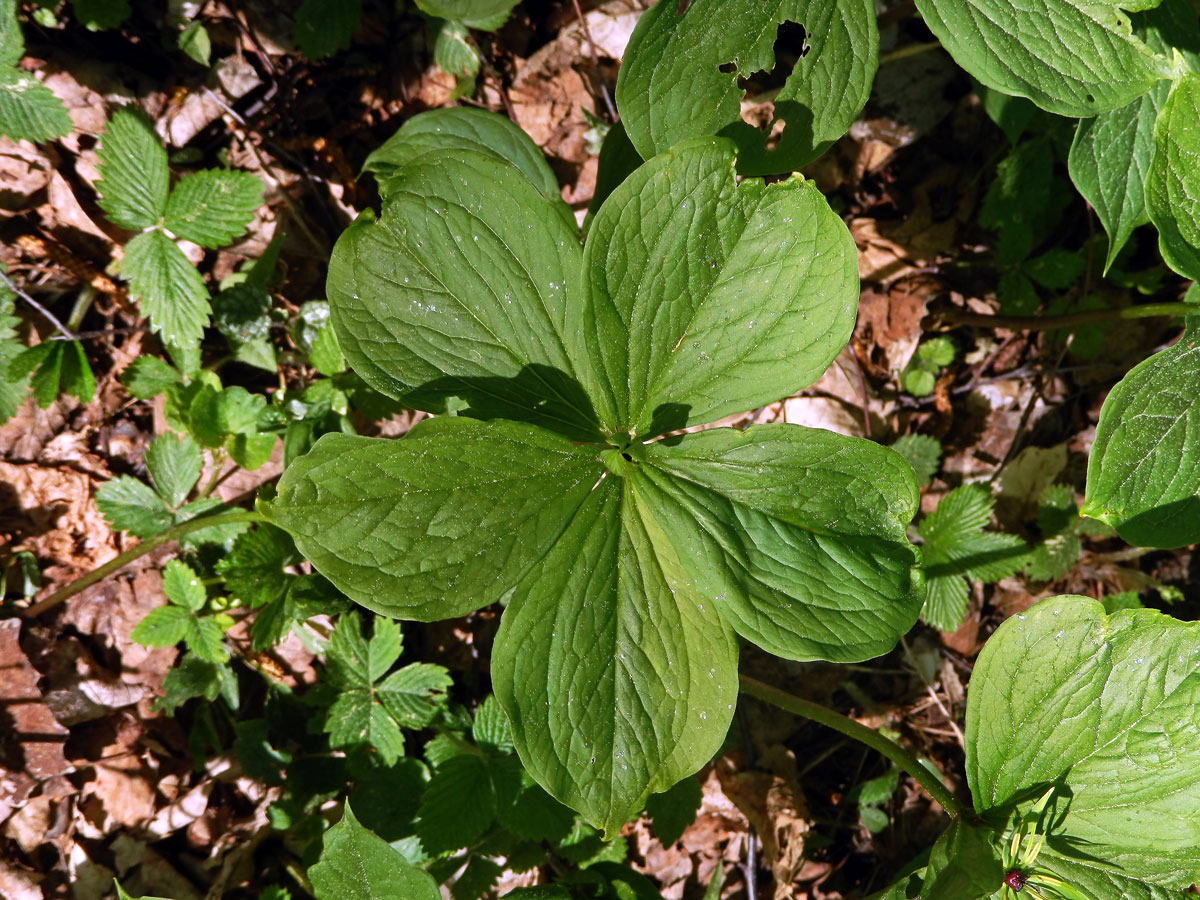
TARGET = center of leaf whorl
(621,461)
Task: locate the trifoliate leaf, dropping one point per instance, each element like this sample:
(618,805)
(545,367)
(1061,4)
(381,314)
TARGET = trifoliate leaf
(213,207)
(253,569)
(133,171)
(174,463)
(356,865)
(29,110)
(672,811)
(922,452)
(183,587)
(148,376)
(323,27)
(458,806)
(171,292)
(129,505)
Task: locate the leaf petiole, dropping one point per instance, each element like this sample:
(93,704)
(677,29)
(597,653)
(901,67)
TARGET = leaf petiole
(861,733)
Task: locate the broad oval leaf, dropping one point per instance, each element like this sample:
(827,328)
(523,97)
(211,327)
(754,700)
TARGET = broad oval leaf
(797,535)
(680,76)
(445,130)
(438,523)
(460,290)
(1173,184)
(1144,470)
(705,297)
(618,678)
(355,864)
(1107,707)
(1071,57)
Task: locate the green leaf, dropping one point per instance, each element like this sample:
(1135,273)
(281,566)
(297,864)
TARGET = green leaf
(1057,511)
(1071,57)
(1173,183)
(314,334)
(323,27)
(672,811)
(457,806)
(477,879)
(29,110)
(445,130)
(253,569)
(680,77)
(194,677)
(1144,469)
(356,865)
(796,535)
(171,292)
(195,42)
(1056,269)
(921,452)
(306,596)
(635,678)
(121,895)
(1107,706)
(461,290)
(536,816)
(133,170)
(414,695)
(205,637)
(487,15)
(163,627)
(213,207)
(182,586)
(100,15)
(491,729)
(56,366)
(456,54)
(129,505)
(964,864)
(148,376)
(704,297)
(174,463)
(12,43)
(485,501)
(242,314)
(1054,557)
(1013,115)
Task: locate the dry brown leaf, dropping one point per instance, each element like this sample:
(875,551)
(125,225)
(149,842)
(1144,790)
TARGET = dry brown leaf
(39,738)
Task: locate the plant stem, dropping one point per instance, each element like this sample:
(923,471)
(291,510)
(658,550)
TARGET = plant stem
(861,733)
(1071,320)
(906,51)
(151,543)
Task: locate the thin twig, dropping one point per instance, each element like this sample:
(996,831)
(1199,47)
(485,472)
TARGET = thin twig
(1071,320)
(50,317)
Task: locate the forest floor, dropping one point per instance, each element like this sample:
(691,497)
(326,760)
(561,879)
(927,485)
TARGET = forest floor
(95,783)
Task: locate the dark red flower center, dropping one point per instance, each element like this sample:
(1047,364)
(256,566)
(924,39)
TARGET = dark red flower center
(1015,880)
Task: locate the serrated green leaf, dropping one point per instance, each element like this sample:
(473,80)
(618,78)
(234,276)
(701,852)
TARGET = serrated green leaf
(133,170)
(484,499)
(491,729)
(44,362)
(129,505)
(672,811)
(1071,57)
(254,568)
(356,865)
(193,677)
(444,130)
(472,12)
(1054,557)
(163,627)
(1144,468)
(959,515)
(29,110)
(213,207)
(680,77)
(174,463)
(171,292)
(214,534)
(315,335)
(635,683)
(767,520)
(672,258)
(242,314)
(1108,706)
(358,662)
(458,805)
(205,637)
(148,376)
(964,864)
(323,27)
(456,54)
(121,895)
(946,601)
(1173,182)
(12,42)
(534,815)
(182,586)
(414,695)
(921,452)
(477,879)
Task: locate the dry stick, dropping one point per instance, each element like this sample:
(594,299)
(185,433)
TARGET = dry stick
(1072,320)
(587,34)
(150,543)
(861,733)
(53,319)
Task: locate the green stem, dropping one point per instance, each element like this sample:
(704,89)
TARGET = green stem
(1071,320)
(861,733)
(150,543)
(906,51)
